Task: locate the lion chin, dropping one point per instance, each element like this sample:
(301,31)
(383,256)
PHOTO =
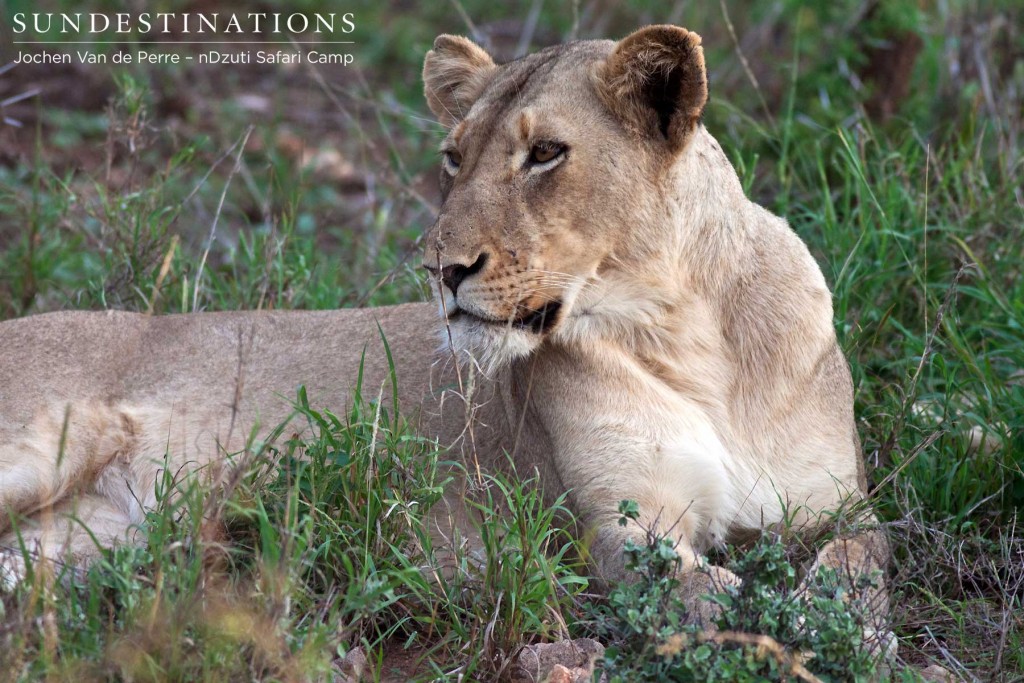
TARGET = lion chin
(485,344)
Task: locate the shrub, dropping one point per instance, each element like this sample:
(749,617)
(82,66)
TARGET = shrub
(770,626)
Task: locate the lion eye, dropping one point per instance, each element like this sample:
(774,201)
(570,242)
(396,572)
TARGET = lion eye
(452,161)
(546,152)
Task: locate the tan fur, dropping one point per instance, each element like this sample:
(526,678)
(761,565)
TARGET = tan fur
(458,70)
(686,358)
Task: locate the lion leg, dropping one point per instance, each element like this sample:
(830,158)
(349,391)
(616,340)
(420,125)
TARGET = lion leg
(74,531)
(114,450)
(860,560)
(696,577)
(62,449)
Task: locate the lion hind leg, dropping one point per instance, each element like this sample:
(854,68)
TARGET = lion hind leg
(63,449)
(860,560)
(73,531)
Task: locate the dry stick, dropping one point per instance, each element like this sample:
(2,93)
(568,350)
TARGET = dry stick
(390,182)
(924,224)
(169,256)
(745,64)
(369,141)
(243,358)
(402,171)
(227,485)
(270,248)
(458,374)
(321,81)
(464,15)
(206,176)
(765,645)
(918,450)
(529,27)
(365,298)
(14,99)
(216,217)
(526,402)
(574,31)
(394,182)
(164,268)
(1003,629)
(890,442)
(325,87)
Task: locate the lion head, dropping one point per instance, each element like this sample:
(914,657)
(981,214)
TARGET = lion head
(554,175)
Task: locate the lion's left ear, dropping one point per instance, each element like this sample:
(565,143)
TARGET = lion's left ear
(655,81)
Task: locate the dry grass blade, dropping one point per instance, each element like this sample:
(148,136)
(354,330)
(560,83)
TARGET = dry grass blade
(13,99)
(240,147)
(884,453)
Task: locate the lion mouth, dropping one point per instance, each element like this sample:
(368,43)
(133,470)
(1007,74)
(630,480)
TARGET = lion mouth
(537,321)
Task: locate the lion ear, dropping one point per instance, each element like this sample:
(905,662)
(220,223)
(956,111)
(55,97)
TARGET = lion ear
(455,74)
(655,81)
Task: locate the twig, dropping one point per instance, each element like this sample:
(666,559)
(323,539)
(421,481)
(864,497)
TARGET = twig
(384,173)
(745,64)
(574,31)
(13,99)
(216,217)
(164,268)
(464,15)
(765,645)
(529,27)
(948,301)
(458,374)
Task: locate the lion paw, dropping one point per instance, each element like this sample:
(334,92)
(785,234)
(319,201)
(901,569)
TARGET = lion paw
(706,580)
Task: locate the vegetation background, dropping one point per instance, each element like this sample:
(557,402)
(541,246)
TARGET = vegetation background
(889,133)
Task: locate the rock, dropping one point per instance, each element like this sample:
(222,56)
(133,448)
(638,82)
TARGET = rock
(326,162)
(937,674)
(352,668)
(567,661)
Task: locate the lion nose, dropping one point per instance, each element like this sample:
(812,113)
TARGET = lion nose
(455,274)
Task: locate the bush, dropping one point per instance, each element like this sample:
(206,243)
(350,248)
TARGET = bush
(770,627)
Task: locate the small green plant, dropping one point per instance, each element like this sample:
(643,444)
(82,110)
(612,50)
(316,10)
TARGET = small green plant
(527,577)
(767,629)
(346,515)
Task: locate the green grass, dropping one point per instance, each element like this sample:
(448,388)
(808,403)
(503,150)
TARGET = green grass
(917,220)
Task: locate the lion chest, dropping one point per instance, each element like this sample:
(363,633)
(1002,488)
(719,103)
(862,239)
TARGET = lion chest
(620,433)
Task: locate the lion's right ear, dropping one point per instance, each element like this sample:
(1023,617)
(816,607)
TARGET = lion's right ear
(655,81)
(455,74)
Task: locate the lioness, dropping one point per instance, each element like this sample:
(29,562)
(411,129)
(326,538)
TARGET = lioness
(623,321)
